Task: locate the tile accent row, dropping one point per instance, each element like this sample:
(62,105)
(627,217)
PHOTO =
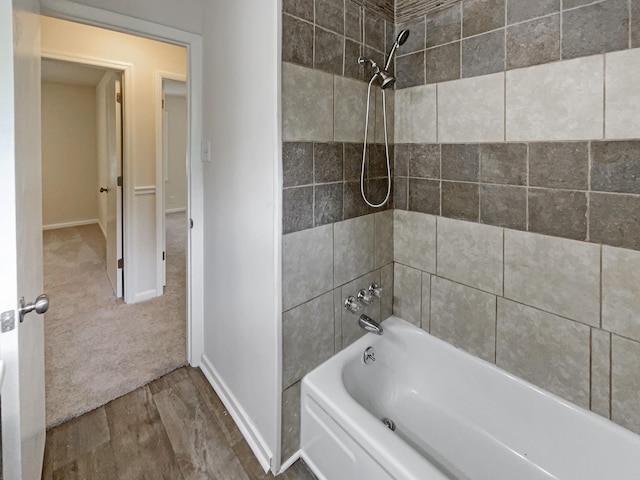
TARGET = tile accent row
(587,98)
(559,313)
(579,190)
(480,37)
(322,182)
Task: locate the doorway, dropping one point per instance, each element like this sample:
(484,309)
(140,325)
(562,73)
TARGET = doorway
(97,346)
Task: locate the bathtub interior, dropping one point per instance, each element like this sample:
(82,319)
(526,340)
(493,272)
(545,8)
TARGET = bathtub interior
(473,420)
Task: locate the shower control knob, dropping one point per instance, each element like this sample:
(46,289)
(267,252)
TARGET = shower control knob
(352,305)
(375,290)
(365,297)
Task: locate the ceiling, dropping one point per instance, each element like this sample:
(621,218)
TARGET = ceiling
(69,73)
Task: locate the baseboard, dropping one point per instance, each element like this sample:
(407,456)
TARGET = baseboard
(175,210)
(292,459)
(53,226)
(251,435)
(144,296)
(104,232)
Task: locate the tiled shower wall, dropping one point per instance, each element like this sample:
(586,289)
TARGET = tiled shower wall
(542,141)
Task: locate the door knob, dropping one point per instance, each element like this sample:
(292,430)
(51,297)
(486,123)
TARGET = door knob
(41,305)
(104,189)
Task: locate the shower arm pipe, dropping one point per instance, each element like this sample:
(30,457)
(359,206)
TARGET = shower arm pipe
(386,146)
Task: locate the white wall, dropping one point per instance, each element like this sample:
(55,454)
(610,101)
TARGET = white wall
(69,164)
(176,184)
(242,207)
(183,14)
(146,57)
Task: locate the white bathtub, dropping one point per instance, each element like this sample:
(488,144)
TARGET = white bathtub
(456,417)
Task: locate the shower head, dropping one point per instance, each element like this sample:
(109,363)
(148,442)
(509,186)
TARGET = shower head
(387,80)
(400,40)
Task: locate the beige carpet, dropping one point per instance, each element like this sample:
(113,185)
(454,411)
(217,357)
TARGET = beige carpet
(98,348)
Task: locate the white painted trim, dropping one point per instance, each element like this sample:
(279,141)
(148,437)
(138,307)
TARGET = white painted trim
(78,223)
(69,10)
(104,232)
(145,190)
(292,459)
(175,210)
(144,296)
(243,421)
(159,75)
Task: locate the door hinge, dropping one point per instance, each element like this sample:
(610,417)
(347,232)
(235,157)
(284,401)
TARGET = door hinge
(191,223)
(119,181)
(8,321)
(119,97)
(121,263)
(163,255)
(163,103)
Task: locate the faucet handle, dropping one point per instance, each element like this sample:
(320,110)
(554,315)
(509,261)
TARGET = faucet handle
(365,297)
(351,305)
(375,290)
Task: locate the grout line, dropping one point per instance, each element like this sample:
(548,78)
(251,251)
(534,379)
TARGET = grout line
(604,97)
(526,198)
(588,191)
(610,374)
(600,284)
(561,27)
(591,369)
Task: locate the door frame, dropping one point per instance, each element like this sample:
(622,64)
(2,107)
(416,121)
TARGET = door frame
(68,10)
(126,71)
(159,76)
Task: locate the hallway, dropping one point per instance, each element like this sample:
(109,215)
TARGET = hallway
(98,348)
(173,428)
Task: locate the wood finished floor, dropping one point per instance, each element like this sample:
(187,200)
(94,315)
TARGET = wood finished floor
(175,428)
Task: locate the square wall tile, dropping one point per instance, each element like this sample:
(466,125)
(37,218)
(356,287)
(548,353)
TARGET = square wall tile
(534,42)
(559,165)
(622,106)
(407,294)
(621,291)
(471,110)
(470,253)
(635,23)
(607,24)
(553,274)
(350,108)
(297,163)
(521,10)
(307,265)
(480,16)
(299,8)
(601,372)
(503,163)
(615,166)
(614,220)
(297,41)
(330,14)
(503,206)
(414,240)
(424,160)
(483,54)
(461,200)
(328,162)
(307,104)
(307,338)
(540,106)
(561,213)
(444,26)
(353,203)
(297,209)
(328,203)
(386,282)
(417,35)
(328,51)
(401,193)
(464,317)
(544,349)
(383,238)
(349,262)
(424,196)
(410,70)
(625,383)
(461,162)
(415,115)
(443,63)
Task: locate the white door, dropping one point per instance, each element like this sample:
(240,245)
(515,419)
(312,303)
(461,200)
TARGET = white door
(22,348)
(114,191)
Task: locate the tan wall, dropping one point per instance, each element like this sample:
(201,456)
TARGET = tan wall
(146,56)
(176,183)
(69,166)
